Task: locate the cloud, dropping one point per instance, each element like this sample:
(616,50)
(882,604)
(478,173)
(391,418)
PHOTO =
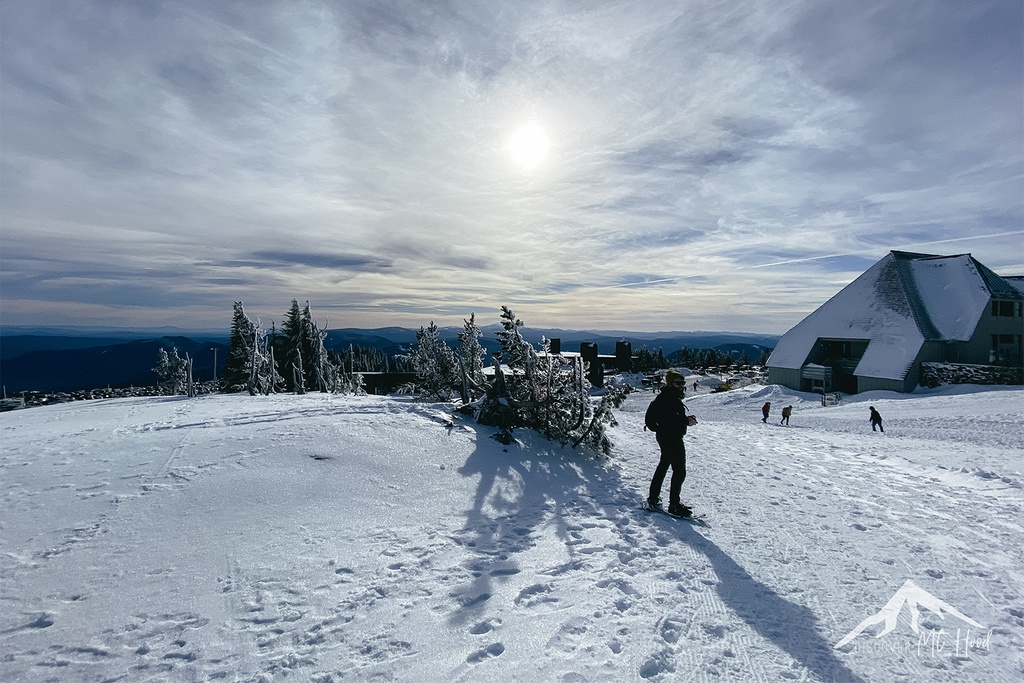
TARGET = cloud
(353,154)
(271,259)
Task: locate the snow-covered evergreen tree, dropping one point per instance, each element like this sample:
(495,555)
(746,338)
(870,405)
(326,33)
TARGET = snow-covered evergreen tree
(263,376)
(293,345)
(435,365)
(175,372)
(237,366)
(320,373)
(545,392)
(364,359)
(594,434)
(470,356)
(165,368)
(250,363)
(351,383)
(303,359)
(291,350)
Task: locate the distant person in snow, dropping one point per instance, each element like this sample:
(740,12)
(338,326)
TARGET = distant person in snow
(876,420)
(666,417)
(786,412)
(695,383)
(766,410)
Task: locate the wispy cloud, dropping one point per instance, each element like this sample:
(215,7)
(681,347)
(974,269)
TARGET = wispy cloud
(902,247)
(712,165)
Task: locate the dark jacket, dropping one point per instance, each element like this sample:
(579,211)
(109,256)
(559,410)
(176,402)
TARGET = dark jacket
(667,415)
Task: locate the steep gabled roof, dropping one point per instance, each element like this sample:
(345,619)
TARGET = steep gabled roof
(896,305)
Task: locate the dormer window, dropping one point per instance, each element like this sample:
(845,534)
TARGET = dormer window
(1006,309)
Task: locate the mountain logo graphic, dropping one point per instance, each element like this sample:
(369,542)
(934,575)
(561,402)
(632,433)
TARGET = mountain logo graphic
(914,596)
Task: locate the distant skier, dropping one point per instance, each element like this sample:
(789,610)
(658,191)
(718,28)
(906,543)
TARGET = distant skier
(786,412)
(666,417)
(876,420)
(766,410)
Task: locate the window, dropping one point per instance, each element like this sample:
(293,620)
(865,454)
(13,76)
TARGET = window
(1005,309)
(1006,349)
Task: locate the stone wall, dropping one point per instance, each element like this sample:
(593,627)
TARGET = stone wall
(938,374)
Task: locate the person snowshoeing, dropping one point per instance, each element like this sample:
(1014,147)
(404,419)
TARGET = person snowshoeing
(666,417)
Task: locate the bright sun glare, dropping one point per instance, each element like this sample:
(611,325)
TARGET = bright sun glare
(529,146)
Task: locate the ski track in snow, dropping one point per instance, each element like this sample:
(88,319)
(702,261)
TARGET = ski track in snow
(334,538)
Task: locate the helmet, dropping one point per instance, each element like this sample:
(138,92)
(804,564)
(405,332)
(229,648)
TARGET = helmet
(673,376)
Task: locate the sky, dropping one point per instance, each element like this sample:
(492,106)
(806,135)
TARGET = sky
(695,165)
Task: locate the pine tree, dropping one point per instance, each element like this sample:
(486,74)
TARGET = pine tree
(319,372)
(263,376)
(434,363)
(519,355)
(647,360)
(363,359)
(163,367)
(238,363)
(250,363)
(595,436)
(470,356)
(175,371)
(545,392)
(292,347)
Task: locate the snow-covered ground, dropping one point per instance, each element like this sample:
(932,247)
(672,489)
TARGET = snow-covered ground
(328,538)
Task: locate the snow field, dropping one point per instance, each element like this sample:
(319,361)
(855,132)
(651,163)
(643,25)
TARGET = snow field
(330,538)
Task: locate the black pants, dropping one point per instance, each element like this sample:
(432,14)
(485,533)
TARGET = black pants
(673,454)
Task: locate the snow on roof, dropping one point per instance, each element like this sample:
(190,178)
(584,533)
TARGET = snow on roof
(896,305)
(873,307)
(953,294)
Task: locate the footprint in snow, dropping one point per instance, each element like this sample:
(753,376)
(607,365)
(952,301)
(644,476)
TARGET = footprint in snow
(466,601)
(482,628)
(505,571)
(492,650)
(534,595)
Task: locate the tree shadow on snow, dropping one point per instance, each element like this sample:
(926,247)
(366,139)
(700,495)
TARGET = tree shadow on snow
(791,627)
(526,489)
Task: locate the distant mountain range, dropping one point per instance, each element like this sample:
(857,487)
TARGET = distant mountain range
(68,359)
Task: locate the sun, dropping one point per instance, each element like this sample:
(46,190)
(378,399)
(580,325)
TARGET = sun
(529,146)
